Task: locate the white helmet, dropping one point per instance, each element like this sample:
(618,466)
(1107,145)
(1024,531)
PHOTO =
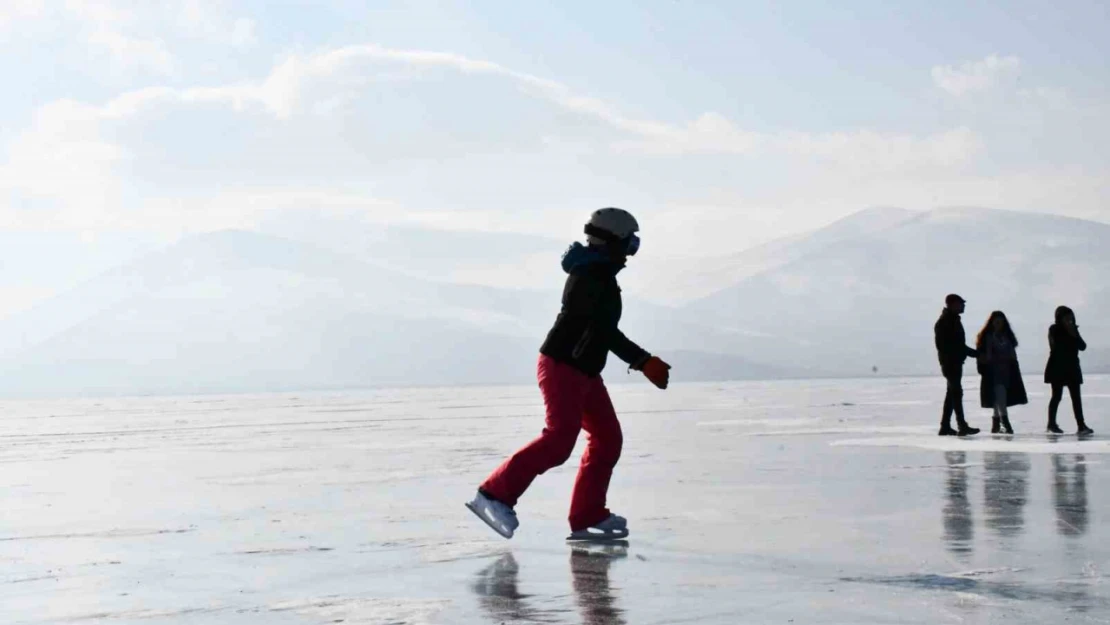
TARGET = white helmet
(613,225)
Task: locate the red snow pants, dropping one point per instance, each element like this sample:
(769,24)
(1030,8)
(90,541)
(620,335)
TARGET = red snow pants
(573,401)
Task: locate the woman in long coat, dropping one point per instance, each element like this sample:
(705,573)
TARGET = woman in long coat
(1062,370)
(1001,385)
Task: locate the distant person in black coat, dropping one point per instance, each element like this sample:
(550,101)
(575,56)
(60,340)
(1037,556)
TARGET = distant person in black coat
(1001,385)
(1063,370)
(952,351)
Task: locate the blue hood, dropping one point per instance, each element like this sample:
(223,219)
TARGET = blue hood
(578,255)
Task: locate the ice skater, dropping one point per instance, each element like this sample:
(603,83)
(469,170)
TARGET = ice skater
(574,394)
(1063,371)
(1001,385)
(952,351)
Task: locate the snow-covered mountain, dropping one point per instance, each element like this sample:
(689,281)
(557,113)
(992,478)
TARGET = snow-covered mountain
(676,281)
(243,311)
(849,298)
(239,310)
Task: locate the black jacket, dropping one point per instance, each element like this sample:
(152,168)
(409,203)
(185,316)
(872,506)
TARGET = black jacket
(1015,386)
(951,342)
(585,330)
(1063,357)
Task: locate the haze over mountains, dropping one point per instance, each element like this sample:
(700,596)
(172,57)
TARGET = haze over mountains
(316,307)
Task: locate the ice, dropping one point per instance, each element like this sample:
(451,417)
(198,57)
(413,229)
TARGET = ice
(826,501)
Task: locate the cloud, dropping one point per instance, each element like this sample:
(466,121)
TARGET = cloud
(120,32)
(79,166)
(1053,97)
(63,160)
(874,151)
(127,52)
(289,89)
(134,34)
(12,11)
(209,20)
(972,76)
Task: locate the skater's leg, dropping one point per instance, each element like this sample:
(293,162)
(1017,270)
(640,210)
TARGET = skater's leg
(1076,402)
(956,389)
(946,412)
(564,392)
(1000,401)
(1000,409)
(956,400)
(1054,405)
(1077,406)
(956,392)
(603,449)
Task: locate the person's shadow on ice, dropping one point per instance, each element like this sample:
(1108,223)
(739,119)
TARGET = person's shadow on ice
(496,588)
(1005,492)
(1069,494)
(959,525)
(589,569)
(500,598)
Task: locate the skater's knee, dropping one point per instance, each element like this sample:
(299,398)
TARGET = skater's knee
(605,447)
(561,444)
(561,452)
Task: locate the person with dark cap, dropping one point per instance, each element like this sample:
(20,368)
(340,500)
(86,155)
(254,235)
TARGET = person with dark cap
(574,394)
(952,351)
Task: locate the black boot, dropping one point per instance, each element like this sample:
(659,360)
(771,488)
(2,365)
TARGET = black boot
(1006,424)
(967,430)
(1053,428)
(995,428)
(1083,429)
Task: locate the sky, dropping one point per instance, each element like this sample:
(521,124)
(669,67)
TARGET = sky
(719,124)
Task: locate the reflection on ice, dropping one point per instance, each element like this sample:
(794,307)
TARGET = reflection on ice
(959,527)
(498,595)
(589,569)
(1069,494)
(497,588)
(1005,490)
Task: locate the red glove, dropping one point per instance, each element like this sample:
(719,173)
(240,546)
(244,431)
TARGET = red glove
(657,371)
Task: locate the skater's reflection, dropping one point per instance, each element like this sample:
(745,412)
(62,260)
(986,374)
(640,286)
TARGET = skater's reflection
(1005,489)
(1069,494)
(499,598)
(496,587)
(958,524)
(589,568)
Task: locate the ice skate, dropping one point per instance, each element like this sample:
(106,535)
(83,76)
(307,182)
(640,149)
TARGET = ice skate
(612,528)
(497,515)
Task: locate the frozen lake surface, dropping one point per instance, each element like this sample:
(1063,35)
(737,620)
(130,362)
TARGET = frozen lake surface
(779,502)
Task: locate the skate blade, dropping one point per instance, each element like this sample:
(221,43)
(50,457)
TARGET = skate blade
(586,536)
(494,526)
(613,549)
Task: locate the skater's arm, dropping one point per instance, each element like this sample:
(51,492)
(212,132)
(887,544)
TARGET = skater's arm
(626,350)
